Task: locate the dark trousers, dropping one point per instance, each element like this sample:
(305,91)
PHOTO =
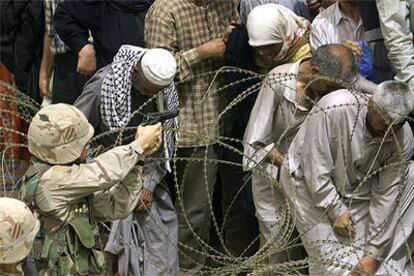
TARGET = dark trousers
(67,83)
(382,65)
(194,210)
(195,205)
(240,225)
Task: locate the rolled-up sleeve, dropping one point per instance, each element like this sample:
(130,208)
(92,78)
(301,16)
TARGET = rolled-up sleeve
(160,32)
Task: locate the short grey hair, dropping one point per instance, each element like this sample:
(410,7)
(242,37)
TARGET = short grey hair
(330,65)
(394,99)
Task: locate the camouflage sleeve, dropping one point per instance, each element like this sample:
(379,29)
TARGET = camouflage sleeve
(119,201)
(62,186)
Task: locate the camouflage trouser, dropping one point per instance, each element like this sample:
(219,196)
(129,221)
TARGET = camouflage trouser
(64,265)
(51,254)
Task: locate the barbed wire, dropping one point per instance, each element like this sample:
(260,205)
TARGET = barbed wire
(284,237)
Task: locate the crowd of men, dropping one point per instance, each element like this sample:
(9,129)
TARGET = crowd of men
(320,127)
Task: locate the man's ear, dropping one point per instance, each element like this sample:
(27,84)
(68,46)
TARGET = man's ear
(315,70)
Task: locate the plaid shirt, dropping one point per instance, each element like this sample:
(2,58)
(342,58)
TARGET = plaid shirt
(181,26)
(58,47)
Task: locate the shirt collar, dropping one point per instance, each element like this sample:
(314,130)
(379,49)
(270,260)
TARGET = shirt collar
(339,15)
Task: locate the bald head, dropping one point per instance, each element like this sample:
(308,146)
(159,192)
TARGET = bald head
(335,61)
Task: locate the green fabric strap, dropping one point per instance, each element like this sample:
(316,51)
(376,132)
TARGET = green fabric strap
(81,259)
(28,190)
(83,230)
(54,244)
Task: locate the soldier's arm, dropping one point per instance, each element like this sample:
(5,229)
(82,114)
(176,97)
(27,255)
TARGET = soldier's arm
(63,186)
(101,173)
(119,201)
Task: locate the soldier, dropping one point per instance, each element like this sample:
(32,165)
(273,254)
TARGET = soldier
(72,196)
(18,228)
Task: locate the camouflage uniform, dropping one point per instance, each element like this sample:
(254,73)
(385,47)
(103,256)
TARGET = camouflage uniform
(72,198)
(18,228)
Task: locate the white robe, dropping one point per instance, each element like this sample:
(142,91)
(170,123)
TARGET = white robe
(274,121)
(327,171)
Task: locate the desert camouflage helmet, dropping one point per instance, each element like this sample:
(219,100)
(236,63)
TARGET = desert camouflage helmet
(18,228)
(58,134)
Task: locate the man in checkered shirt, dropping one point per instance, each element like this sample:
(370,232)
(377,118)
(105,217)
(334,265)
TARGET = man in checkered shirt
(195,31)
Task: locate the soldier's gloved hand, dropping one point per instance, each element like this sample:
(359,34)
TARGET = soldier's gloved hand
(144,200)
(344,225)
(149,138)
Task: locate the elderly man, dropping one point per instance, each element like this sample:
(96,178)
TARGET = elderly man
(195,32)
(113,99)
(348,184)
(288,100)
(71,195)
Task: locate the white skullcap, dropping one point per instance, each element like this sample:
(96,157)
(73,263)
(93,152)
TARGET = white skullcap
(159,66)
